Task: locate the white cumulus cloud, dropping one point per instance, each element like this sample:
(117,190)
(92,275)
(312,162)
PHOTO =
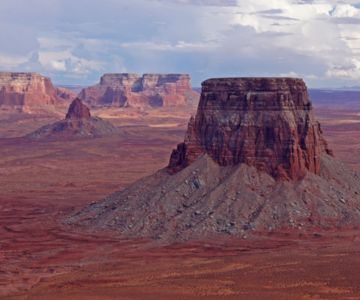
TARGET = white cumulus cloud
(315,39)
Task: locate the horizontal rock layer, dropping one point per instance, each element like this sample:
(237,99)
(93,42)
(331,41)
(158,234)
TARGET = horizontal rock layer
(263,122)
(149,90)
(27,90)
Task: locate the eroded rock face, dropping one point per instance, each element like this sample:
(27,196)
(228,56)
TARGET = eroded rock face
(263,122)
(149,90)
(78,110)
(26,90)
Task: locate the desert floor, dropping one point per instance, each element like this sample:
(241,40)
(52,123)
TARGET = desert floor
(41,182)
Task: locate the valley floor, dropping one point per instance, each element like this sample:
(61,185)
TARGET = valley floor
(41,259)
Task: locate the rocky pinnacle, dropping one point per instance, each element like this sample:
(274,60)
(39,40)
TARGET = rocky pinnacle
(78,110)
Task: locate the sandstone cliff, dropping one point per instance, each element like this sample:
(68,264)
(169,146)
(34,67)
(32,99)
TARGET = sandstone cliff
(149,90)
(19,90)
(263,122)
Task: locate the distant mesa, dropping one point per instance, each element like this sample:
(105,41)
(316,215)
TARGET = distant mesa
(78,123)
(29,90)
(254,160)
(75,89)
(149,90)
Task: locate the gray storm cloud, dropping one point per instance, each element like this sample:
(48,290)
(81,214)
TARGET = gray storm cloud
(76,41)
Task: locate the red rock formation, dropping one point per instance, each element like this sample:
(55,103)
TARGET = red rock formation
(26,90)
(263,122)
(247,134)
(150,90)
(78,123)
(78,110)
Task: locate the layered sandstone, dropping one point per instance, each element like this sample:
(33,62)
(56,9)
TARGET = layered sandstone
(78,123)
(26,90)
(132,90)
(263,122)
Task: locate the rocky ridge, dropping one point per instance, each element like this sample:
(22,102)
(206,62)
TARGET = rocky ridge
(132,90)
(253,160)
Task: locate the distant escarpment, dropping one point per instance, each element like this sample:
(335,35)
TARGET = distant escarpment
(149,90)
(28,91)
(78,123)
(254,160)
(65,94)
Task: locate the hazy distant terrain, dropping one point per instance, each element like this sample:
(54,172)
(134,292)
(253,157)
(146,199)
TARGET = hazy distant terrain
(336,98)
(74,88)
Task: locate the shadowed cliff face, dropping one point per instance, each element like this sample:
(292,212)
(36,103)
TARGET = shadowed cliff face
(149,90)
(263,122)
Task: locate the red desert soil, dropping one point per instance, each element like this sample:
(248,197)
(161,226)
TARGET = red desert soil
(342,131)
(40,259)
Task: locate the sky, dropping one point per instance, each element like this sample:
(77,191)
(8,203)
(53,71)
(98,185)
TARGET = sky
(76,41)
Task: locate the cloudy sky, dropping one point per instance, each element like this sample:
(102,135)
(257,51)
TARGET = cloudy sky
(75,41)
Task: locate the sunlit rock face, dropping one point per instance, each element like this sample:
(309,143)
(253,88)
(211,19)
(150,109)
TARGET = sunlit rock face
(26,90)
(132,90)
